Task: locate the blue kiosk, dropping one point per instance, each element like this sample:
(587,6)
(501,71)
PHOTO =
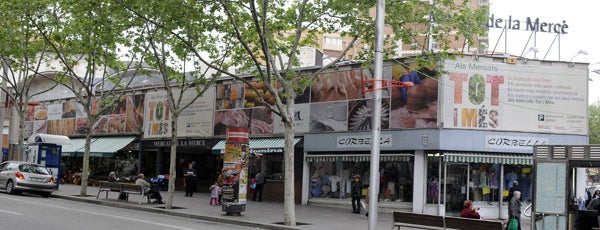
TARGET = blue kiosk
(46,149)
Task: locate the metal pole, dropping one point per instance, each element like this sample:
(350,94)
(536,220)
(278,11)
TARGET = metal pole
(374,169)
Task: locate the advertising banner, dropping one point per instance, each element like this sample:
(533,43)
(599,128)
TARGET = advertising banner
(195,120)
(514,97)
(123,115)
(235,170)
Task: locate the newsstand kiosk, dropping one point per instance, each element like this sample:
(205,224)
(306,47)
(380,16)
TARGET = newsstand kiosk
(235,171)
(46,149)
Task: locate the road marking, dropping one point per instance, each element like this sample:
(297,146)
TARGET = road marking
(14,213)
(100,214)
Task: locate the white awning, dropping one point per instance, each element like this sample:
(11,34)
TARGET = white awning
(49,138)
(99,146)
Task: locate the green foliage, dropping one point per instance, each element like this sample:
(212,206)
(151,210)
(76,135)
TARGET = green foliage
(594,119)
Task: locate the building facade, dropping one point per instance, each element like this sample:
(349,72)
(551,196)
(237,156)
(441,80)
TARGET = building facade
(465,131)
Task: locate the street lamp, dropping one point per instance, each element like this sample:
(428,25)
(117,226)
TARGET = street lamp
(582,52)
(533,49)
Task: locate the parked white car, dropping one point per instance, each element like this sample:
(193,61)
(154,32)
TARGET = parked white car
(19,176)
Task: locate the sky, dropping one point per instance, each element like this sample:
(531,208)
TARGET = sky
(583,32)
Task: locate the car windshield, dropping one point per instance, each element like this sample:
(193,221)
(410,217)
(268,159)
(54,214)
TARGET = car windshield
(37,169)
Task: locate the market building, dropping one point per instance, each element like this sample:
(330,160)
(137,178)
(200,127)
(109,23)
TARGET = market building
(464,131)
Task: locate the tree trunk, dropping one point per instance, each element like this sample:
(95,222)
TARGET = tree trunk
(289,203)
(172,163)
(86,166)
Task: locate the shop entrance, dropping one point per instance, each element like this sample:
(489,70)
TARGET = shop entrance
(455,187)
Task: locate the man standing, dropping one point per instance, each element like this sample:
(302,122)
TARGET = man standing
(260,183)
(514,208)
(190,180)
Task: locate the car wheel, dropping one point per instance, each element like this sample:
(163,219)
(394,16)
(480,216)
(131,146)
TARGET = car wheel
(46,194)
(10,187)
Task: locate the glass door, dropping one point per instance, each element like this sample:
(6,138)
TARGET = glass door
(455,187)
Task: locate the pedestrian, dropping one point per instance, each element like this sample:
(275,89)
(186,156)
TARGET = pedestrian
(190,180)
(220,183)
(512,190)
(356,193)
(148,189)
(112,177)
(469,211)
(260,183)
(514,208)
(215,191)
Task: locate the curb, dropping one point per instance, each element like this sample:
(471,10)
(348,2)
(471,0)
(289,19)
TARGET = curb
(177,214)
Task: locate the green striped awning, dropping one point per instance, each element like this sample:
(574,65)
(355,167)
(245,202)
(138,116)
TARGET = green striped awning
(492,158)
(262,145)
(356,157)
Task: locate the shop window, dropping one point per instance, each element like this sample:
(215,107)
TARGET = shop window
(333,179)
(522,175)
(484,182)
(433,180)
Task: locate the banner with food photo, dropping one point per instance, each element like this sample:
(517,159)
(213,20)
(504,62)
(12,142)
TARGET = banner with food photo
(229,96)
(134,113)
(336,86)
(231,118)
(121,115)
(416,106)
(261,121)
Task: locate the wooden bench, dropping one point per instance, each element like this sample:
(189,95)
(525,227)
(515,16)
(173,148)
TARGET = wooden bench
(418,221)
(105,186)
(467,223)
(426,221)
(126,188)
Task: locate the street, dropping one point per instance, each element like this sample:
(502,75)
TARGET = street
(34,212)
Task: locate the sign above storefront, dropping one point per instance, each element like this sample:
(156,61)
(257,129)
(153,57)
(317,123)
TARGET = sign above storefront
(513,142)
(362,141)
(180,143)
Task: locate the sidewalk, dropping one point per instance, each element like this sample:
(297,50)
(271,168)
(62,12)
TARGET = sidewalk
(264,215)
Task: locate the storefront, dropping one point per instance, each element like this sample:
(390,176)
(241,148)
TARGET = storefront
(268,158)
(117,153)
(331,160)
(155,155)
(425,171)
(483,177)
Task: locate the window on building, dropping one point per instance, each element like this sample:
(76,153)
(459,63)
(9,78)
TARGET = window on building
(333,41)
